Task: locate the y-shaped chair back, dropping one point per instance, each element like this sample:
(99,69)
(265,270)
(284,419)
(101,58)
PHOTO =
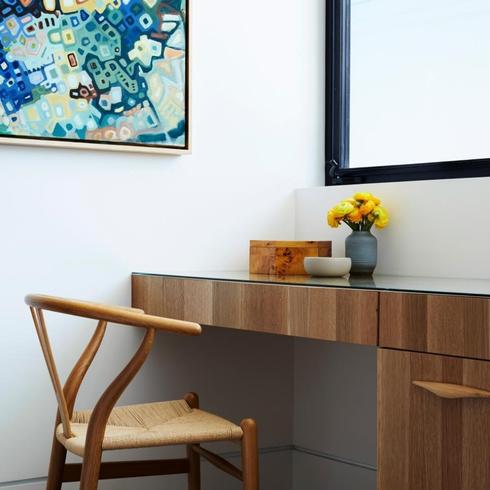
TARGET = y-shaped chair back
(66,396)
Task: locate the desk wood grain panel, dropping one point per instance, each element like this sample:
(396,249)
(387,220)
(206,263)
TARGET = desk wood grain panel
(264,308)
(441,324)
(426,442)
(255,307)
(317,313)
(334,314)
(174,298)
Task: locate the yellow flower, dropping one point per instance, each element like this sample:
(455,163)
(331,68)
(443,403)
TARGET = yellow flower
(341,209)
(367,207)
(332,220)
(363,196)
(355,216)
(350,200)
(360,212)
(381,217)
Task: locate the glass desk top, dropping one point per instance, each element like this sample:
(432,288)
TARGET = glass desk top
(430,285)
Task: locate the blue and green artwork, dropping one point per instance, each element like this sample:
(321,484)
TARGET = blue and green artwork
(98,71)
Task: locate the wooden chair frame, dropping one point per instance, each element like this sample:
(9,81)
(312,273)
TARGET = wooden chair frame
(93,469)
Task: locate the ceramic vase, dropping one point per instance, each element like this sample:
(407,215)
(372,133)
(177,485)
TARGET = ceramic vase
(362,248)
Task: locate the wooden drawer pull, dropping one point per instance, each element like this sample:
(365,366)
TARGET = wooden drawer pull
(452,391)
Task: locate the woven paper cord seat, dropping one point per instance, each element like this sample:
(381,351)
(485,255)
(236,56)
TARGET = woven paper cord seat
(152,424)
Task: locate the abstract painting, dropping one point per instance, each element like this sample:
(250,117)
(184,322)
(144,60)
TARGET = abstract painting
(112,73)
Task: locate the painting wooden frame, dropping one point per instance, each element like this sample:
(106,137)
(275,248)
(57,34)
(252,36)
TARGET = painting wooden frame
(146,47)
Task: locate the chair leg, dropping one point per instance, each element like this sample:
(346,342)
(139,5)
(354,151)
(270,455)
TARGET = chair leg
(92,459)
(56,466)
(250,455)
(194,475)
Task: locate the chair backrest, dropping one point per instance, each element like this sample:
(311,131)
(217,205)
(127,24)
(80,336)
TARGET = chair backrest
(66,395)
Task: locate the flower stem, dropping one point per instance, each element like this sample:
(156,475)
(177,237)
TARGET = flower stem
(350,225)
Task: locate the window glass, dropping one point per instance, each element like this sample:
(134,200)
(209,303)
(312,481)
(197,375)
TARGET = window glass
(420,81)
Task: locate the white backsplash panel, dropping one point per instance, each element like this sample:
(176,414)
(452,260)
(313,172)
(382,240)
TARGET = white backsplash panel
(438,228)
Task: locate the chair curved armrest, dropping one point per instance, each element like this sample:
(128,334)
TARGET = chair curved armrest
(114,314)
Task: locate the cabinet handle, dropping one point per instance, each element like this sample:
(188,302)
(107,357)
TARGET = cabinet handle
(452,391)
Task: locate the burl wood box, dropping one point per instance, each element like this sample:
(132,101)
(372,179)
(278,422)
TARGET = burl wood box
(284,258)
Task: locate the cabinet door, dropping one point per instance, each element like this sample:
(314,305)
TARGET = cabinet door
(433,435)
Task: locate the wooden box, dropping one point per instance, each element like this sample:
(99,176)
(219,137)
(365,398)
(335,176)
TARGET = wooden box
(284,258)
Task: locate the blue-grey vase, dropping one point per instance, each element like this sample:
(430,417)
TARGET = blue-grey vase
(362,248)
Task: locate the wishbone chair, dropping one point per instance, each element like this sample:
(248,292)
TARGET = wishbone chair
(107,427)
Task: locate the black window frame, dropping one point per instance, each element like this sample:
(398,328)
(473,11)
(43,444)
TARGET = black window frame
(337,87)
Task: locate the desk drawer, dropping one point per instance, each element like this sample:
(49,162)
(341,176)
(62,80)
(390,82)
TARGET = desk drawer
(317,313)
(426,441)
(441,324)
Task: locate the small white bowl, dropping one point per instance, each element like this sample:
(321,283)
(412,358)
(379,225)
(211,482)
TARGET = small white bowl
(327,266)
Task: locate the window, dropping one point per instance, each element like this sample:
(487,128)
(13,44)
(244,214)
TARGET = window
(407,93)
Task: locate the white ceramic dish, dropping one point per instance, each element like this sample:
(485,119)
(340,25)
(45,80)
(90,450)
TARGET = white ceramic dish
(327,266)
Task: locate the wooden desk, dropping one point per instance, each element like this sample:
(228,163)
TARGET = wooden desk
(430,436)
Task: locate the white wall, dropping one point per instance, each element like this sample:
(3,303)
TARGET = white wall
(77,223)
(334,427)
(438,229)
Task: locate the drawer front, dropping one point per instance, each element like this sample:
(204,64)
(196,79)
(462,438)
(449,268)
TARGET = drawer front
(426,441)
(441,324)
(317,313)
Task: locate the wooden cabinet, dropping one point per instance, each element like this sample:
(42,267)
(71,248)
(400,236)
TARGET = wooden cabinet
(319,313)
(433,390)
(426,441)
(441,324)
